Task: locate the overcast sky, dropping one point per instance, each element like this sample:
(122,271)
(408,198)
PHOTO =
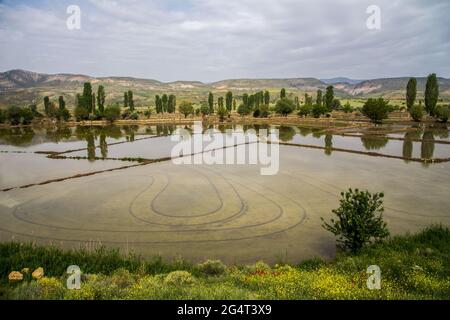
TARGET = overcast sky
(211,40)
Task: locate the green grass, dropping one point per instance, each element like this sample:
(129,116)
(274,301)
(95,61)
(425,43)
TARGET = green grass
(413,267)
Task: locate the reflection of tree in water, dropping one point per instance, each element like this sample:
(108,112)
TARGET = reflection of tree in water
(17,136)
(304,131)
(427,148)
(130,132)
(103,145)
(317,133)
(165,129)
(408,145)
(328,144)
(287,133)
(57,134)
(90,138)
(374,142)
(111,131)
(440,131)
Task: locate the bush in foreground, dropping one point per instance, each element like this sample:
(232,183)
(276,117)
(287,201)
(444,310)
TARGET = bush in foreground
(359,219)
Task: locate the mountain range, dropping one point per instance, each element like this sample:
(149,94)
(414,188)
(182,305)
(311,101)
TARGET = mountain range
(21,87)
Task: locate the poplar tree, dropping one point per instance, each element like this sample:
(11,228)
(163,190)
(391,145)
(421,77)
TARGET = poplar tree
(211,102)
(431,94)
(87,97)
(125,99)
(229,100)
(283,93)
(130,100)
(319,97)
(101,96)
(164,101)
(329,97)
(266,97)
(61,103)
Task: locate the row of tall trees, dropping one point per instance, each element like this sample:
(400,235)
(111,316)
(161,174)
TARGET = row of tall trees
(431,97)
(165,103)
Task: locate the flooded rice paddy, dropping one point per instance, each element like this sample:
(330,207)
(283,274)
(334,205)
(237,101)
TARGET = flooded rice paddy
(84,186)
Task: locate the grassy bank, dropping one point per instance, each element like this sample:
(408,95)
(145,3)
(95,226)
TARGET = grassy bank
(413,267)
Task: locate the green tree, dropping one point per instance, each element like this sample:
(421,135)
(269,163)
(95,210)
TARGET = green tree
(61,103)
(234,104)
(112,113)
(93,103)
(283,93)
(284,106)
(359,220)
(86,97)
(125,100)
(411,92)
(158,104)
(304,110)
(221,110)
(431,94)
(245,99)
(442,113)
(416,112)
(319,97)
(220,103)
(171,104)
(347,108)
(46,104)
(229,100)
(165,103)
(329,98)
(204,109)
(186,108)
(211,102)
(376,109)
(101,97)
(266,97)
(130,100)
(318,110)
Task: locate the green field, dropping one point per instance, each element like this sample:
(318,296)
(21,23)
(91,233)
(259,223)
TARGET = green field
(413,267)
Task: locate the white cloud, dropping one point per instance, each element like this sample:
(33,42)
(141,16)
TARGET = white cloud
(216,39)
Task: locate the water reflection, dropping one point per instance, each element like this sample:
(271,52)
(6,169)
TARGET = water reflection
(17,136)
(374,142)
(427,148)
(92,137)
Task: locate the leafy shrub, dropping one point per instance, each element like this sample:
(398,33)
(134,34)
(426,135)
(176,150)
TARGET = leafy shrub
(442,113)
(81,113)
(63,114)
(318,110)
(212,267)
(304,110)
(284,106)
(112,113)
(14,115)
(186,108)
(204,109)
(416,112)
(243,110)
(376,109)
(359,219)
(179,278)
(347,108)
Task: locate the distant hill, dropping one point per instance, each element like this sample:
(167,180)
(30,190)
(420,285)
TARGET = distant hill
(21,87)
(341,80)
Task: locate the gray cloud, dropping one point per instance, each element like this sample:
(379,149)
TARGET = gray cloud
(216,39)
